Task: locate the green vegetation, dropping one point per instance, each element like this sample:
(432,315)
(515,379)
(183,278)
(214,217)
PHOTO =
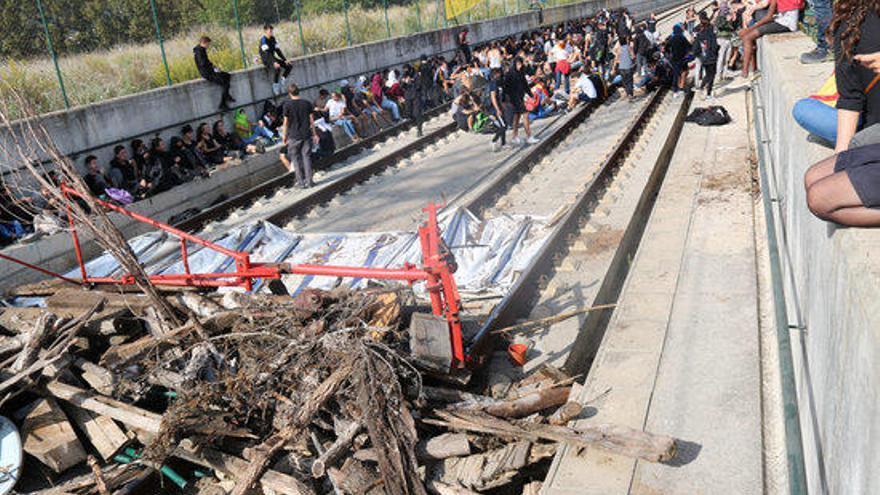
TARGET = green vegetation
(108,48)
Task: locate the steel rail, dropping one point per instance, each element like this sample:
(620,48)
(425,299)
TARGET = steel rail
(518,302)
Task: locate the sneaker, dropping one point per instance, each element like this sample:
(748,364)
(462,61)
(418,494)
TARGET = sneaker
(496,147)
(532,140)
(517,141)
(817,56)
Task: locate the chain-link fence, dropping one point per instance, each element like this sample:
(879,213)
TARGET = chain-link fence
(63,53)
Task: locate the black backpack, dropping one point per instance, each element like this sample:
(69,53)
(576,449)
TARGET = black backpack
(713,115)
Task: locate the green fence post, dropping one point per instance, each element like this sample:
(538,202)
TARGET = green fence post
(238,27)
(437,10)
(347,25)
(302,39)
(52,52)
(161,41)
(418,16)
(488,10)
(387,24)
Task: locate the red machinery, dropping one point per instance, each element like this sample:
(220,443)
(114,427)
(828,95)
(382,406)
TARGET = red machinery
(437,269)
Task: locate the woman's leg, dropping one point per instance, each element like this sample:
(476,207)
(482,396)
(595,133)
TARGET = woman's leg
(835,199)
(819,171)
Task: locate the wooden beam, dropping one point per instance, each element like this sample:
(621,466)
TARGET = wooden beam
(120,411)
(612,438)
(103,433)
(234,466)
(48,436)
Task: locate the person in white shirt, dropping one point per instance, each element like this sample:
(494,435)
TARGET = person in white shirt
(339,115)
(584,90)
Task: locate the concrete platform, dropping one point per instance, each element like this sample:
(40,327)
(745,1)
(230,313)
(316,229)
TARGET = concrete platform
(833,277)
(681,354)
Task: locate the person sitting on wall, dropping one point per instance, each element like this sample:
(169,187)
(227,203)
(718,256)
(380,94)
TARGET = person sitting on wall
(210,73)
(782,17)
(94,177)
(273,59)
(845,187)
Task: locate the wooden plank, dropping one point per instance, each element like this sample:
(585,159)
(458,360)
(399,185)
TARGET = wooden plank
(120,411)
(49,437)
(234,466)
(103,433)
(612,438)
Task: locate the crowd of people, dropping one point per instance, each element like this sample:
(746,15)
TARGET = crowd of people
(495,88)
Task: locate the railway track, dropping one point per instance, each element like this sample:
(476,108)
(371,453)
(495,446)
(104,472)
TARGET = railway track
(370,163)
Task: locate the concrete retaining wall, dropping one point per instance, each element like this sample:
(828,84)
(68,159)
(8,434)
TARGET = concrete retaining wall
(836,275)
(98,127)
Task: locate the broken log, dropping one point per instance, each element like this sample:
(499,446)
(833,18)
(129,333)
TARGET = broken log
(616,439)
(34,342)
(485,470)
(570,410)
(343,441)
(441,488)
(443,446)
(542,322)
(120,411)
(529,404)
(100,484)
(232,466)
(264,452)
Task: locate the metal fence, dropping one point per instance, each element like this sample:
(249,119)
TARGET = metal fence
(109,48)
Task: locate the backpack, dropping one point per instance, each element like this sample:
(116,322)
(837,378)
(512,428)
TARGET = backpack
(480,122)
(711,116)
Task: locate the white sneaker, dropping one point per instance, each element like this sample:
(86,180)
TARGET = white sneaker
(496,147)
(532,140)
(517,141)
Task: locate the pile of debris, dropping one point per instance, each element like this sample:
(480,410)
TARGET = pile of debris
(269,394)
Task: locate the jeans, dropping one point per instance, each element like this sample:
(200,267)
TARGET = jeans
(822,10)
(724,46)
(389,105)
(300,156)
(259,132)
(627,76)
(817,118)
(347,126)
(560,77)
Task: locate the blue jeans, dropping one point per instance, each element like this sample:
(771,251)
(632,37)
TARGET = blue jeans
(347,126)
(392,107)
(817,118)
(822,11)
(259,131)
(560,77)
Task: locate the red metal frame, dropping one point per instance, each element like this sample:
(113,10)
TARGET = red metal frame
(437,268)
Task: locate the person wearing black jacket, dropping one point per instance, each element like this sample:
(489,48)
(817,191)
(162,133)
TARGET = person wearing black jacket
(273,59)
(94,177)
(515,89)
(211,73)
(706,49)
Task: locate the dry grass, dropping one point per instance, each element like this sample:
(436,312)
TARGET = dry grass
(128,69)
